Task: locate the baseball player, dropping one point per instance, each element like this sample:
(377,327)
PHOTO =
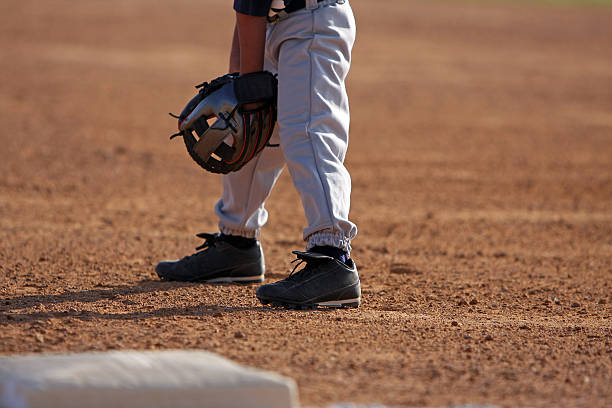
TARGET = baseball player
(307,44)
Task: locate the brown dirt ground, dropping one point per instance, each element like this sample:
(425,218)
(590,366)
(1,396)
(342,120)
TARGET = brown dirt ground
(481,161)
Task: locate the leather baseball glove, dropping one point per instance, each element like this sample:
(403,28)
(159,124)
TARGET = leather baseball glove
(237,134)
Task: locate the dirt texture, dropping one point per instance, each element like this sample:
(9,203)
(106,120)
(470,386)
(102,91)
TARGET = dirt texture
(481,158)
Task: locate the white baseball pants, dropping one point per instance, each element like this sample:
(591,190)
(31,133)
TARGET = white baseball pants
(310,50)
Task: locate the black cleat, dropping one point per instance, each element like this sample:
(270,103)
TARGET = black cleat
(216,262)
(324,281)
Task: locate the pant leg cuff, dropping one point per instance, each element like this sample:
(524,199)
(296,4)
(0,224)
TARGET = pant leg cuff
(329,238)
(238,231)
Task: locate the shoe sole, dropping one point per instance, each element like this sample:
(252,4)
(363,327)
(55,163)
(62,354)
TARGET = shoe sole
(228,279)
(331,304)
(247,279)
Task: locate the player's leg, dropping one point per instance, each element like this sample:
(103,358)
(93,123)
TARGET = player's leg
(234,254)
(241,209)
(313,58)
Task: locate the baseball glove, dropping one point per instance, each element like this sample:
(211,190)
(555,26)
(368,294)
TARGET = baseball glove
(237,134)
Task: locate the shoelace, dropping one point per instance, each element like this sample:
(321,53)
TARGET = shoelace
(209,240)
(307,270)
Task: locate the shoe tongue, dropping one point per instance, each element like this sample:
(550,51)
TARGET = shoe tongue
(311,261)
(312,256)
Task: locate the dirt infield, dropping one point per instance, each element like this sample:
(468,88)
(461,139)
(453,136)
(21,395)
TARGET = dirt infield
(481,157)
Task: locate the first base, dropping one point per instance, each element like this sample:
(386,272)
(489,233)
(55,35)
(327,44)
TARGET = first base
(173,378)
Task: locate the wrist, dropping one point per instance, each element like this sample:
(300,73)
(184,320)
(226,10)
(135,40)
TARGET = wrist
(252,39)
(234,59)
(234,67)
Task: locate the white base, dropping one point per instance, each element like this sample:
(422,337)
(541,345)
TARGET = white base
(173,379)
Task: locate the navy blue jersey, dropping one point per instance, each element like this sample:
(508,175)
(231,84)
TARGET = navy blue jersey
(258,8)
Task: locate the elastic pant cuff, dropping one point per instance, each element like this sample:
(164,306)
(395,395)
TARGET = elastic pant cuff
(323,238)
(237,231)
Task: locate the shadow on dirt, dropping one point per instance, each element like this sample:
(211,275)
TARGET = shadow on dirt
(91,295)
(198,311)
(115,293)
